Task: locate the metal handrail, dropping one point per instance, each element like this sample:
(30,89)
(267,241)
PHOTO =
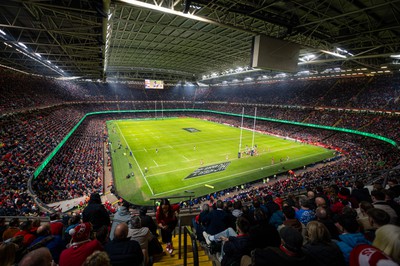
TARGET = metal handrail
(190,197)
(188,231)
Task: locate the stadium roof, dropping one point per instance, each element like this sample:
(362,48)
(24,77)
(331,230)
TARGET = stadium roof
(191,39)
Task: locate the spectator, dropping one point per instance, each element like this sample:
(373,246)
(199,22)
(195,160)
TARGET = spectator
(289,253)
(362,216)
(95,213)
(73,222)
(270,205)
(391,200)
(167,220)
(56,224)
(290,220)
(81,246)
(395,187)
(234,245)
(378,199)
(216,220)
(54,243)
(13,228)
(305,214)
(121,216)
(198,222)
(320,246)
(8,253)
(320,202)
(147,221)
(122,250)
(324,218)
(37,257)
(142,235)
(3,228)
(98,258)
(350,236)
(376,218)
(388,240)
(360,192)
(26,232)
(368,255)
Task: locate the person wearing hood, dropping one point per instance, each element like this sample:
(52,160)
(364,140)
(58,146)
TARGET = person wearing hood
(96,213)
(122,215)
(350,236)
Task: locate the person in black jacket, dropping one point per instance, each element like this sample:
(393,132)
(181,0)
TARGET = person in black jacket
(234,248)
(321,247)
(216,220)
(147,221)
(288,254)
(123,251)
(360,192)
(234,245)
(96,213)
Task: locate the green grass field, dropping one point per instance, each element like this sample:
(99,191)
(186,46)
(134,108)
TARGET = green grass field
(174,148)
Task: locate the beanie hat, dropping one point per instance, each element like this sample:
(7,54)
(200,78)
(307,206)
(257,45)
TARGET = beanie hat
(367,255)
(293,240)
(81,232)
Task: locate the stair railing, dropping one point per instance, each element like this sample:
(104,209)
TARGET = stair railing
(187,231)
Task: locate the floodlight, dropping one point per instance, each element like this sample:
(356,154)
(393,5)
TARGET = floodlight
(22,45)
(334,54)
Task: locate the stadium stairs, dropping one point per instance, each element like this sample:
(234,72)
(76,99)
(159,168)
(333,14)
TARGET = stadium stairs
(187,250)
(166,260)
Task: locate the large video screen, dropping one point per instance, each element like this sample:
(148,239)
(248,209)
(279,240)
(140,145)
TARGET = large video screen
(153,84)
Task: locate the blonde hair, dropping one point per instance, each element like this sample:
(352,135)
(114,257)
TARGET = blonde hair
(387,239)
(97,258)
(317,232)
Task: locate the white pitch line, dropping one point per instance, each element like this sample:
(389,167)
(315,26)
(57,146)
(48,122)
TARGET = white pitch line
(158,166)
(233,159)
(155,162)
(140,169)
(224,177)
(186,158)
(145,149)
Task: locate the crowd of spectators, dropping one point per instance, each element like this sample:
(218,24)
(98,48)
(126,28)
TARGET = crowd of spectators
(380,92)
(77,170)
(328,226)
(74,239)
(27,138)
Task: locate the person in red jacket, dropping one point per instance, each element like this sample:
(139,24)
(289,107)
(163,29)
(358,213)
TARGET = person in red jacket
(26,232)
(81,246)
(167,220)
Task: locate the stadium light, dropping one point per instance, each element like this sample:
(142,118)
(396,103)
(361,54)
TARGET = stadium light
(167,10)
(22,45)
(334,54)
